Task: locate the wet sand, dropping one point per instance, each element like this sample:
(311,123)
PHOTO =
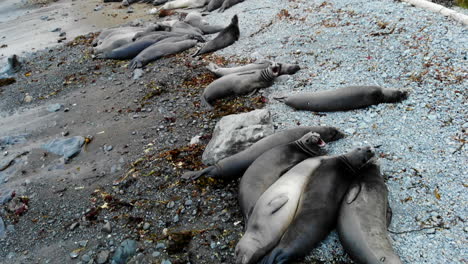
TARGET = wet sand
(27,28)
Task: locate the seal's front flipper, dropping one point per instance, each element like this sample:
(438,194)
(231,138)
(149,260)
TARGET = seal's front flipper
(353,193)
(277,203)
(389,214)
(193,175)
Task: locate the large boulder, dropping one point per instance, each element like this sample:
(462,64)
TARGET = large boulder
(234,133)
(66,147)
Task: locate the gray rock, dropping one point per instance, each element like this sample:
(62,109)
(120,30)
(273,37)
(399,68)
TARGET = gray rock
(68,147)
(98,8)
(2,229)
(170,204)
(5,195)
(234,133)
(54,107)
(85,258)
(107,228)
(160,246)
(166,261)
(74,255)
(126,250)
(74,225)
(12,140)
(102,256)
(146,226)
(156,254)
(137,73)
(195,140)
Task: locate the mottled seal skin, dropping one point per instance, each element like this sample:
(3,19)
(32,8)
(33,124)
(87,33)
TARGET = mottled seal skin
(344,99)
(363,219)
(225,38)
(239,83)
(269,167)
(159,50)
(229,3)
(195,19)
(213,5)
(285,68)
(315,187)
(234,166)
(184,4)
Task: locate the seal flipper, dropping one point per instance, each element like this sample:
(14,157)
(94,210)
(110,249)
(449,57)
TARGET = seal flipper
(193,175)
(277,203)
(353,193)
(276,256)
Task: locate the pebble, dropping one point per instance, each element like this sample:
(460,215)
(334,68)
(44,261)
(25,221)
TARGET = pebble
(108,147)
(156,254)
(170,205)
(146,226)
(166,261)
(107,228)
(126,250)
(188,202)
(98,8)
(83,243)
(85,258)
(137,73)
(74,254)
(160,246)
(102,256)
(175,219)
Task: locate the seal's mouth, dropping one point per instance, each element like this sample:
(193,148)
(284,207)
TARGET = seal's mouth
(321,143)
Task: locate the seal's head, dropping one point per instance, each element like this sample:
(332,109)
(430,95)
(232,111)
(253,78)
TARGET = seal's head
(358,157)
(235,20)
(247,250)
(289,69)
(335,134)
(312,142)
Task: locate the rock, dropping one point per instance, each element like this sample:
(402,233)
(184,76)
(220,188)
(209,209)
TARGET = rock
(137,73)
(175,219)
(6,195)
(56,29)
(98,8)
(146,226)
(170,204)
(74,254)
(12,140)
(54,107)
(156,254)
(83,243)
(85,258)
(2,229)
(27,99)
(107,228)
(68,147)
(160,246)
(234,133)
(74,225)
(102,256)
(126,250)
(188,202)
(166,261)
(195,140)
(108,147)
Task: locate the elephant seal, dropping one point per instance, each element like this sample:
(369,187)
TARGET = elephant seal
(364,218)
(299,209)
(132,49)
(195,19)
(260,65)
(184,4)
(159,50)
(240,83)
(343,99)
(229,3)
(225,38)
(113,41)
(213,5)
(107,32)
(269,167)
(234,166)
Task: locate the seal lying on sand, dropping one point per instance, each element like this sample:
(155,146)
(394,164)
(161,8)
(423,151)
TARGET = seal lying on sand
(363,219)
(343,99)
(260,65)
(269,167)
(184,4)
(225,38)
(130,50)
(234,166)
(195,19)
(159,50)
(239,83)
(299,209)
(213,5)
(229,3)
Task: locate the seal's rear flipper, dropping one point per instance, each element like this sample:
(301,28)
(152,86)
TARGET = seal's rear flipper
(212,67)
(193,175)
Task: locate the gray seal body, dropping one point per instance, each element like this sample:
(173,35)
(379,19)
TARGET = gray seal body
(234,166)
(364,217)
(299,209)
(260,65)
(343,99)
(159,50)
(239,83)
(225,38)
(269,167)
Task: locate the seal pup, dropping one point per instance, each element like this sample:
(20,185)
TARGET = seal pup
(130,50)
(184,4)
(269,167)
(239,83)
(229,3)
(364,218)
(225,38)
(299,209)
(234,166)
(213,5)
(260,65)
(195,19)
(344,99)
(114,41)
(159,50)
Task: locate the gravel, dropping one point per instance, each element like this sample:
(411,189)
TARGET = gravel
(394,45)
